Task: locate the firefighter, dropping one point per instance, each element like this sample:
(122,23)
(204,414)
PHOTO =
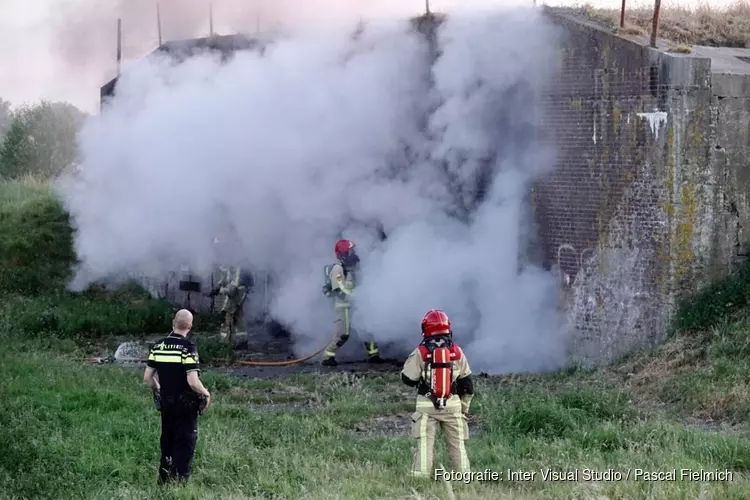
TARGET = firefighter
(234,285)
(438,368)
(173,373)
(340,283)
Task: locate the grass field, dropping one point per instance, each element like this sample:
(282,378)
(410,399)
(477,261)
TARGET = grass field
(79,431)
(69,430)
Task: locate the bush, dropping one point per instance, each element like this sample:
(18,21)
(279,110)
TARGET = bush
(36,239)
(85,316)
(715,302)
(36,263)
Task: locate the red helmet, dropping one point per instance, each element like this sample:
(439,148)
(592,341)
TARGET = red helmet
(435,322)
(343,247)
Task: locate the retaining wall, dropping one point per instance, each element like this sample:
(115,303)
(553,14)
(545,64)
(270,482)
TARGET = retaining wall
(643,205)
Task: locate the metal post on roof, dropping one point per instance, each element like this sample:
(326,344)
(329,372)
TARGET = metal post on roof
(655,24)
(210,18)
(158,23)
(622,15)
(427,7)
(119,44)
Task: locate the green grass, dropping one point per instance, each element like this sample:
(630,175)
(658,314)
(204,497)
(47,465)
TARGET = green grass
(78,431)
(72,430)
(36,239)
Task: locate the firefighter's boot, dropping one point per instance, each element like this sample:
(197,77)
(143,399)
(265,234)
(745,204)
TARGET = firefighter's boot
(330,362)
(373,353)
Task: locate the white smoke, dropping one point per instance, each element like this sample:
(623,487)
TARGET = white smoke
(329,134)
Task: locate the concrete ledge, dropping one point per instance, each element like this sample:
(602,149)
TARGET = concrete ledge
(730,85)
(683,69)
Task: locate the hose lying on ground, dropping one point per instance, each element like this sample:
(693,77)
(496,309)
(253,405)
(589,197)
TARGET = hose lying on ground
(289,362)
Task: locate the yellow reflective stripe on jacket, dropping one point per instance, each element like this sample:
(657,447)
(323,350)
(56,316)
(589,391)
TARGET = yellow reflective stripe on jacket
(188,359)
(174,357)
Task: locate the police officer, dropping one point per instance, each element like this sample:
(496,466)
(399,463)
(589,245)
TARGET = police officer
(172,373)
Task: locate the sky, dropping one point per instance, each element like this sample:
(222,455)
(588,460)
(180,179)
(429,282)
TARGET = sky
(65,49)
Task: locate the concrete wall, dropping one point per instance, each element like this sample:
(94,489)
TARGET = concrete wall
(642,207)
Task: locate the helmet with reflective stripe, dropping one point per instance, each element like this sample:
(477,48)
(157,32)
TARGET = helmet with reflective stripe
(435,322)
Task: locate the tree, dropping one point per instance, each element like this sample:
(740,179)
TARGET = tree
(15,151)
(5,118)
(41,140)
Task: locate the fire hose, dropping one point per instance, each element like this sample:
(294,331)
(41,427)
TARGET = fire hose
(289,362)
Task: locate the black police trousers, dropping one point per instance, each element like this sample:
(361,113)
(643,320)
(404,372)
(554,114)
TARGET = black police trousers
(179,434)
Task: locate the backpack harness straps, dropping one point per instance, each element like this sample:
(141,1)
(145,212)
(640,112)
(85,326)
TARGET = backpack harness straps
(426,349)
(328,290)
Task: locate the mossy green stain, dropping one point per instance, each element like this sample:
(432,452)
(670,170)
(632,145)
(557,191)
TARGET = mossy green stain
(695,139)
(668,205)
(665,247)
(575,104)
(616,116)
(684,232)
(602,219)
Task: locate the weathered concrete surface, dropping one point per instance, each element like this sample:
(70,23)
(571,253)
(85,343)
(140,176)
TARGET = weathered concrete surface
(643,206)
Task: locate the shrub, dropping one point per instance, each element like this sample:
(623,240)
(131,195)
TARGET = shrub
(715,302)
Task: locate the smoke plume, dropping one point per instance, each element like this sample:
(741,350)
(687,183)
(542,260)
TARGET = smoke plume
(341,129)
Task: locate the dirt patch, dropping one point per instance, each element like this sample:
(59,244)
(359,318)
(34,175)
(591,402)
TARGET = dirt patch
(242,395)
(300,407)
(397,425)
(719,427)
(273,372)
(680,355)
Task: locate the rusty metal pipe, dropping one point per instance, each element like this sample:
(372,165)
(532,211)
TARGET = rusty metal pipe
(655,25)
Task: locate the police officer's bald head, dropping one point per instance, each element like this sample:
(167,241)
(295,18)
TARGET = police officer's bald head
(183,321)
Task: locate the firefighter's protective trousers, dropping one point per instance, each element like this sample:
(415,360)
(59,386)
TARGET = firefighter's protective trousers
(343,331)
(233,305)
(342,293)
(453,423)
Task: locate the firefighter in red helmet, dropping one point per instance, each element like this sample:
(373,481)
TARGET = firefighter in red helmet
(340,283)
(438,368)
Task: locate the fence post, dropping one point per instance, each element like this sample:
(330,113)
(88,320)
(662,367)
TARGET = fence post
(119,44)
(158,24)
(655,25)
(622,15)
